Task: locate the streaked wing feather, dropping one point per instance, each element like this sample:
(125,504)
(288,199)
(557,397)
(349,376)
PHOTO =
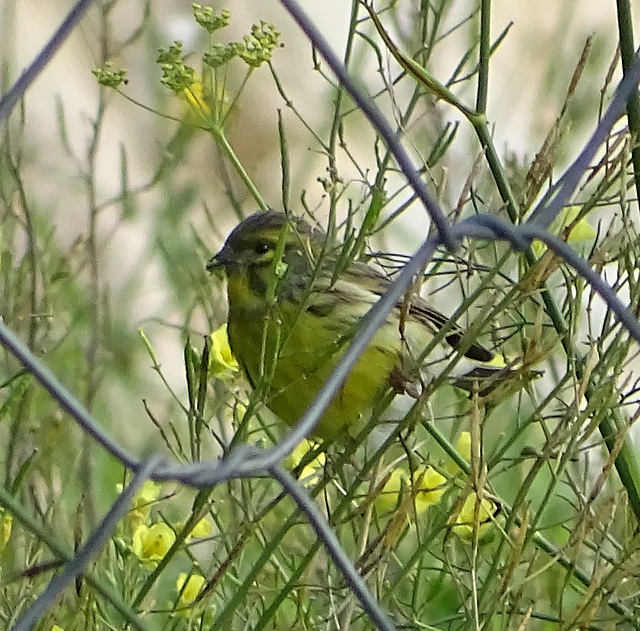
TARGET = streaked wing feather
(374,281)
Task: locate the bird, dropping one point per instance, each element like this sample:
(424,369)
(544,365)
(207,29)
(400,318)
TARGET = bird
(294,306)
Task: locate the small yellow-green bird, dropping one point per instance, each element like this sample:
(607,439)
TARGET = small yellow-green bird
(291,316)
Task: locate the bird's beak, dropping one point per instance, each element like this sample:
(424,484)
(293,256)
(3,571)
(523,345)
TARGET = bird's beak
(221,260)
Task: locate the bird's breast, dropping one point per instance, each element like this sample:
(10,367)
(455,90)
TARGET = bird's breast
(292,351)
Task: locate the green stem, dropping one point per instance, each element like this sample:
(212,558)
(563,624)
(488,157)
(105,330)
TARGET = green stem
(481,127)
(227,150)
(628,57)
(485,53)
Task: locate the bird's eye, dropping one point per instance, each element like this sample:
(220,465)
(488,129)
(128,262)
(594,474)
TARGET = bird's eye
(261,247)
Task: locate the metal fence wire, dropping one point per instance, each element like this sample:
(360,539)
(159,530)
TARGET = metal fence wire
(245,460)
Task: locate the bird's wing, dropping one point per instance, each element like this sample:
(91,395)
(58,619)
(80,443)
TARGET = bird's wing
(367,277)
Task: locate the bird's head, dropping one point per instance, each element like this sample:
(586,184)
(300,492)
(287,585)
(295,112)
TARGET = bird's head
(267,246)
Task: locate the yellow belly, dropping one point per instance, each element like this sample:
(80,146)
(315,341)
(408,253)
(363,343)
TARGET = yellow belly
(292,362)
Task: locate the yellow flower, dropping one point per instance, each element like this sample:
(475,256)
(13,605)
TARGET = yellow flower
(142,502)
(56,627)
(148,494)
(391,494)
(6,522)
(202,529)
(196,98)
(474,511)
(581,231)
(150,544)
(222,363)
(311,472)
(189,588)
(296,456)
(463,447)
(428,488)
